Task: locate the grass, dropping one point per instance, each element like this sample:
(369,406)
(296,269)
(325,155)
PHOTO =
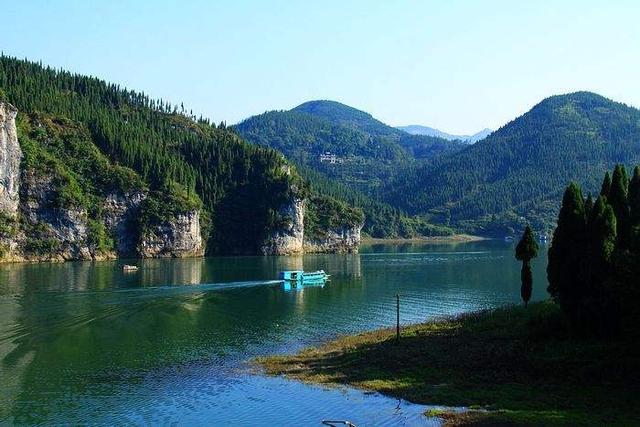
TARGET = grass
(509,366)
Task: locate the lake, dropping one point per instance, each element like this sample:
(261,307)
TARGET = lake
(86,343)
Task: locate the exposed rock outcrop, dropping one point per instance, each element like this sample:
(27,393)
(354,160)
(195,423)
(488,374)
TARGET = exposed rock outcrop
(177,238)
(341,240)
(120,218)
(10,157)
(50,210)
(52,232)
(40,221)
(288,239)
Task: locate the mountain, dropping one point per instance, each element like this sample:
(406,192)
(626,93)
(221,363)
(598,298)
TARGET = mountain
(348,154)
(517,174)
(342,142)
(347,116)
(97,171)
(429,131)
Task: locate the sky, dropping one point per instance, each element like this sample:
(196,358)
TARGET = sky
(456,65)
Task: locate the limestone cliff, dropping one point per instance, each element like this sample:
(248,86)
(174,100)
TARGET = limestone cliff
(10,157)
(47,215)
(288,238)
(177,238)
(120,218)
(62,199)
(345,239)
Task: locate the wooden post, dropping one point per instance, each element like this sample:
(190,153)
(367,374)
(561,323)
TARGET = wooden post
(398,317)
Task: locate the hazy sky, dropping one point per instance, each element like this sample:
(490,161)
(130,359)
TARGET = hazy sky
(456,65)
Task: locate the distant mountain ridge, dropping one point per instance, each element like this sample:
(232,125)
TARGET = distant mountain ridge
(365,152)
(429,131)
(517,174)
(347,153)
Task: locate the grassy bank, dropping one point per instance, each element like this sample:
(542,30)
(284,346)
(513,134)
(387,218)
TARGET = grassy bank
(511,366)
(454,238)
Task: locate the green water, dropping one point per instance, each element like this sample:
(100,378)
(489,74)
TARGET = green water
(87,343)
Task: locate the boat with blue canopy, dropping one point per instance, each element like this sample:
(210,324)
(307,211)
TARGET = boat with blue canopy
(295,278)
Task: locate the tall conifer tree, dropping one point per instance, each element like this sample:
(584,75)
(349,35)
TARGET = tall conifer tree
(526,250)
(618,200)
(567,248)
(606,185)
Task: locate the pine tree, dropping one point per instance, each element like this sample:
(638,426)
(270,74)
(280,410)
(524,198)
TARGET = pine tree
(588,206)
(526,250)
(606,185)
(602,239)
(634,211)
(567,248)
(618,200)
(634,198)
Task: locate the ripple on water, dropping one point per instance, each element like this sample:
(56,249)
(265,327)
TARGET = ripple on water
(112,349)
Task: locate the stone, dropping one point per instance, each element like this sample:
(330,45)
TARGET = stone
(10,158)
(177,238)
(287,240)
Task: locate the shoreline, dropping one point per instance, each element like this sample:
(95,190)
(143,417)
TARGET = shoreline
(507,366)
(454,238)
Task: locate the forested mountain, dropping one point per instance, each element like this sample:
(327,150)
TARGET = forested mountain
(345,115)
(346,153)
(429,131)
(518,173)
(185,162)
(342,142)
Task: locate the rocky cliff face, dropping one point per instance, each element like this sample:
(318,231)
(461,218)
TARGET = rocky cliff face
(36,226)
(10,157)
(340,240)
(51,232)
(120,214)
(288,239)
(50,212)
(175,239)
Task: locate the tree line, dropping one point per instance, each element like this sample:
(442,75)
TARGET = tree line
(240,186)
(594,258)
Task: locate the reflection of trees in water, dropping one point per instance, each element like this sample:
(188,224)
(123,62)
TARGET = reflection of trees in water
(76,345)
(183,271)
(69,276)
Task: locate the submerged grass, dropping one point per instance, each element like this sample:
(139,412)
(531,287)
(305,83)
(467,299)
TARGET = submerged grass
(509,366)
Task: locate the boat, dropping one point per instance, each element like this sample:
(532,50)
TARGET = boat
(128,267)
(295,278)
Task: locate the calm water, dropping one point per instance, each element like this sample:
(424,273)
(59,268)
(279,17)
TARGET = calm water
(87,343)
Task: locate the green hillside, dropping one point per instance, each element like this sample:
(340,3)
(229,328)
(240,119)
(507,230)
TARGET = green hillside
(364,154)
(518,173)
(367,152)
(100,135)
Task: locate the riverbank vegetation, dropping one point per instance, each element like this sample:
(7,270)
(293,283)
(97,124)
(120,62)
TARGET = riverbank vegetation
(572,360)
(594,259)
(511,365)
(102,137)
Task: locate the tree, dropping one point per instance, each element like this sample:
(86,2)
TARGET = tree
(588,206)
(602,241)
(634,209)
(606,185)
(567,248)
(526,250)
(618,199)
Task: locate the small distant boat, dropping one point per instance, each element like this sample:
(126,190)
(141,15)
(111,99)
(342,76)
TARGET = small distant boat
(128,267)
